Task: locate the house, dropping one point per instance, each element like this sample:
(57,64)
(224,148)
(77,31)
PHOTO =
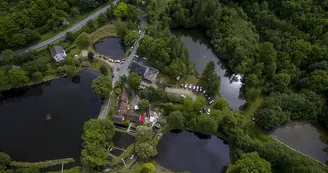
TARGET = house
(148,73)
(58,53)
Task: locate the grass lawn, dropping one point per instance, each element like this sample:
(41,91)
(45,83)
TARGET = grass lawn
(191,79)
(107,30)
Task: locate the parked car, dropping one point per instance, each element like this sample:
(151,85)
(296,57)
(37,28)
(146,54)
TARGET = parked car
(194,87)
(182,85)
(111,60)
(139,32)
(190,86)
(186,86)
(183,96)
(122,62)
(204,91)
(209,98)
(208,110)
(131,157)
(211,102)
(197,88)
(105,58)
(204,109)
(200,89)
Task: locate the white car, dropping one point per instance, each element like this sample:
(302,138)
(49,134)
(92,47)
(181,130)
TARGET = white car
(208,110)
(131,157)
(200,89)
(211,102)
(194,87)
(139,32)
(204,91)
(136,56)
(186,86)
(197,88)
(190,86)
(183,96)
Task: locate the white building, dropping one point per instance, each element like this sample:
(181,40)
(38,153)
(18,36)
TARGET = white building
(58,53)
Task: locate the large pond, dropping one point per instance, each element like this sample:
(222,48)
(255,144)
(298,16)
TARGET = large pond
(112,47)
(310,139)
(201,53)
(25,133)
(194,152)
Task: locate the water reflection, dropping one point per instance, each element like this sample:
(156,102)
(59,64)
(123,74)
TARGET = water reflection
(200,51)
(113,47)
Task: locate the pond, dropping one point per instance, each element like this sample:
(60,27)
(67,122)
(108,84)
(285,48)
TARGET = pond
(112,47)
(122,140)
(194,152)
(25,132)
(308,138)
(200,52)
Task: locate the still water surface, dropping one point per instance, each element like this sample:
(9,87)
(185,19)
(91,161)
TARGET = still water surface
(193,152)
(310,139)
(112,47)
(200,52)
(25,133)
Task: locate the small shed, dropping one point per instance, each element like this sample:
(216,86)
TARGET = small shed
(58,53)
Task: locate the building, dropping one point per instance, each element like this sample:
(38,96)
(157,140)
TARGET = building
(124,111)
(147,73)
(58,53)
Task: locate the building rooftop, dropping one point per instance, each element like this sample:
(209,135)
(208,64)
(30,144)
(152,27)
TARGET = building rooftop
(138,68)
(56,50)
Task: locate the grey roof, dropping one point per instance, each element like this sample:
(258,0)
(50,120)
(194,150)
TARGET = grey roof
(56,50)
(138,68)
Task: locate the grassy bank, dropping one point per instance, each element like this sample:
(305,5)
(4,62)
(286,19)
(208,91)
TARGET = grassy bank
(43,164)
(105,31)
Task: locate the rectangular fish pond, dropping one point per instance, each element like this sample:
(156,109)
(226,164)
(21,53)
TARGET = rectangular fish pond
(121,141)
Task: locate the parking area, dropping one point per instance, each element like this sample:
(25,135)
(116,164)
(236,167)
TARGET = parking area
(182,91)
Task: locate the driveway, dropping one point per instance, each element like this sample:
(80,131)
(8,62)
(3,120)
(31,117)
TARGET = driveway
(181,91)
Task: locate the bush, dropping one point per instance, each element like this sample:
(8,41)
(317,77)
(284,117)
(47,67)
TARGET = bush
(103,70)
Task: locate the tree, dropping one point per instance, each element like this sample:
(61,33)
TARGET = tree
(38,75)
(4,160)
(101,86)
(148,168)
(211,79)
(103,70)
(121,11)
(145,151)
(83,40)
(143,104)
(177,68)
(207,123)
(271,117)
(221,103)
(144,134)
(17,77)
(134,80)
(102,19)
(3,78)
(251,162)
(96,137)
(176,119)
(70,70)
(70,37)
(121,29)
(199,104)
(131,37)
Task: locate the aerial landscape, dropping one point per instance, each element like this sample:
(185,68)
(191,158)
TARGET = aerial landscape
(163,86)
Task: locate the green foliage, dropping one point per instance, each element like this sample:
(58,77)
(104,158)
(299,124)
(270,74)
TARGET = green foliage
(144,134)
(221,103)
(148,168)
(70,60)
(70,70)
(145,150)
(130,38)
(4,160)
(17,77)
(83,40)
(143,104)
(121,29)
(126,122)
(37,75)
(101,86)
(134,80)
(96,137)
(176,120)
(211,79)
(121,11)
(103,70)
(251,162)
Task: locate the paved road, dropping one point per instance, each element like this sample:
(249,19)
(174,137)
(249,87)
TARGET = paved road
(61,35)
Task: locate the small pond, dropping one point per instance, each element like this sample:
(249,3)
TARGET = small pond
(122,140)
(194,152)
(113,47)
(25,133)
(200,52)
(308,138)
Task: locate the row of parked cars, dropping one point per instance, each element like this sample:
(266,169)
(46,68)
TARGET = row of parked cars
(194,88)
(111,60)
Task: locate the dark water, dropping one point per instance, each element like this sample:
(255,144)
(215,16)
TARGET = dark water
(194,152)
(112,47)
(26,135)
(201,53)
(310,139)
(122,140)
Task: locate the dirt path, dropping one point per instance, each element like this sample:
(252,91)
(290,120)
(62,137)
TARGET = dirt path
(182,91)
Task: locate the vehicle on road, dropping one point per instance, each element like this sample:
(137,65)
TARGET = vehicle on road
(200,89)
(186,86)
(190,86)
(183,96)
(110,60)
(197,88)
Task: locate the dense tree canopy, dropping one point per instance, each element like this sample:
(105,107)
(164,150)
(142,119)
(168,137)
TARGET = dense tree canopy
(134,80)
(22,22)
(251,162)
(102,85)
(211,79)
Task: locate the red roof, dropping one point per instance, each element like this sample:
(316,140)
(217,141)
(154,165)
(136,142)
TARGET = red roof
(142,118)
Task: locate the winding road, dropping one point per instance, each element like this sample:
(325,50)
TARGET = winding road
(61,35)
